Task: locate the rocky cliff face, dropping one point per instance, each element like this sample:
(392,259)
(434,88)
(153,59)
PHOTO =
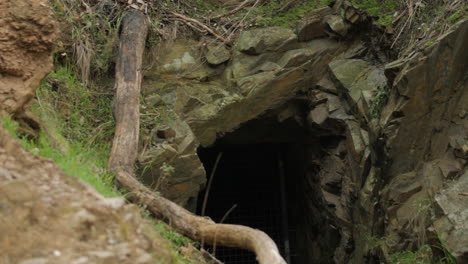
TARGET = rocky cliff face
(425,134)
(396,169)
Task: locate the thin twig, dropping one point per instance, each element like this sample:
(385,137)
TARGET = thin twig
(286,6)
(222,221)
(235,10)
(227,213)
(242,20)
(411,12)
(210,181)
(188,20)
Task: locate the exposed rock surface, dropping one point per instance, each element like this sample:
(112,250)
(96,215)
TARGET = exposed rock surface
(452,226)
(262,40)
(379,170)
(217,53)
(425,127)
(225,97)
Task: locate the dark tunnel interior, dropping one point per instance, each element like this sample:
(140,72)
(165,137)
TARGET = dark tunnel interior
(261,182)
(246,189)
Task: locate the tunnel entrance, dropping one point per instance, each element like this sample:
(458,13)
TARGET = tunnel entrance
(267,178)
(247,190)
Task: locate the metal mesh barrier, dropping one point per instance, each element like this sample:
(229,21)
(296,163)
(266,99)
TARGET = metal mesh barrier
(251,182)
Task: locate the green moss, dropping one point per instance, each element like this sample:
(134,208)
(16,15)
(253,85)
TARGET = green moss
(384,10)
(455,17)
(422,256)
(270,14)
(202,5)
(379,102)
(430,43)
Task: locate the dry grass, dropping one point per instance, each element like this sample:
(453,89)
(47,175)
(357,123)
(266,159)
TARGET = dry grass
(421,22)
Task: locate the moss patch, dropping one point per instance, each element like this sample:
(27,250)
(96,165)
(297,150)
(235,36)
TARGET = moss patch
(384,10)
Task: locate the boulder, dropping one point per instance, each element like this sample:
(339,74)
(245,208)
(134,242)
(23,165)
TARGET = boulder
(452,226)
(262,40)
(360,80)
(313,26)
(337,24)
(319,114)
(217,53)
(402,187)
(181,58)
(427,100)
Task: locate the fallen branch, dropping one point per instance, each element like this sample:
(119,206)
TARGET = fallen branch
(124,153)
(235,10)
(188,20)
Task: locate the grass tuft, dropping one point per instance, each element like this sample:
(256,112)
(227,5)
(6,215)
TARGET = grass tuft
(384,10)
(87,164)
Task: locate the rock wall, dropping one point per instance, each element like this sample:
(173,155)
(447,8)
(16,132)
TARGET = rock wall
(389,135)
(425,129)
(212,89)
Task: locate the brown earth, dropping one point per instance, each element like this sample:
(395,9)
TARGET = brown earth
(27,36)
(49,217)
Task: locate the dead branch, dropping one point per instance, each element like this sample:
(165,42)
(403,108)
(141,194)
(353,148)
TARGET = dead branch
(188,20)
(235,10)
(124,153)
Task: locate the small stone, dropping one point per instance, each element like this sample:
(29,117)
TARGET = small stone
(154,100)
(337,24)
(101,254)
(262,40)
(145,258)
(169,98)
(312,26)
(80,260)
(166,133)
(352,15)
(114,203)
(82,216)
(217,54)
(34,261)
(319,114)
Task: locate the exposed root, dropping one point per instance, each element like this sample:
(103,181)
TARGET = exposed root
(124,153)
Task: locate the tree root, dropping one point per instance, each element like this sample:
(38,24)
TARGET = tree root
(124,153)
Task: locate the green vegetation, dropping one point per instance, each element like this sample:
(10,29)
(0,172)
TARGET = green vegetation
(270,14)
(90,36)
(85,163)
(177,240)
(384,10)
(455,17)
(68,111)
(379,102)
(422,256)
(76,129)
(84,113)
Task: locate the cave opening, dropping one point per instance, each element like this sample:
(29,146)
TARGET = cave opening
(266,179)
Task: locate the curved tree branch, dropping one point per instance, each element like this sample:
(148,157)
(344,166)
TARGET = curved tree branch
(124,153)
